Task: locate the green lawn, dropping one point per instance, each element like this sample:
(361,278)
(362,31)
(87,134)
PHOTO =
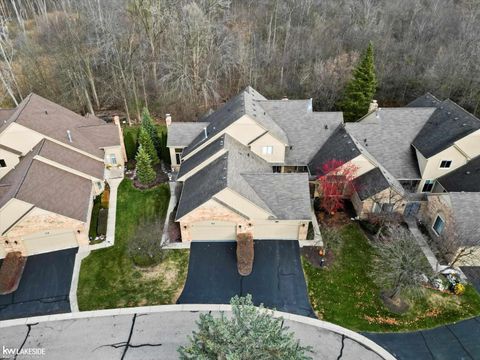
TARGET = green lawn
(345,294)
(109,279)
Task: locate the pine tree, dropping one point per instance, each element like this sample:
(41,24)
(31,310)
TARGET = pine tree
(146,142)
(360,91)
(251,333)
(145,172)
(147,124)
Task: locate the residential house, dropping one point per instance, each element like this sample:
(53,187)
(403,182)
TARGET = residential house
(53,162)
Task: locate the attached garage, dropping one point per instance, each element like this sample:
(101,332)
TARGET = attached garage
(276,230)
(213,230)
(47,241)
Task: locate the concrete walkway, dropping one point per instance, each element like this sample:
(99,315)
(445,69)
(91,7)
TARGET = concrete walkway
(156,333)
(422,242)
(171,205)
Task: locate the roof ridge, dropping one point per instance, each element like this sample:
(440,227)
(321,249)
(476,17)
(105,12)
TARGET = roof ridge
(450,101)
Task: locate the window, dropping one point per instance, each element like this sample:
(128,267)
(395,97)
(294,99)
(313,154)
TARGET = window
(113,159)
(387,208)
(3,163)
(267,150)
(277,169)
(377,208)
(445,164)
(428,186)
(178,156)
(438,225)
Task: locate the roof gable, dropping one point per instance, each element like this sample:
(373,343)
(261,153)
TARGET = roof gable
(465,178)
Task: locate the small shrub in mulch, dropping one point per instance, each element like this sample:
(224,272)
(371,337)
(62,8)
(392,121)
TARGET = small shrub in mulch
(245,253)
(102,222)
(311,254)
(161,178)
(11,272)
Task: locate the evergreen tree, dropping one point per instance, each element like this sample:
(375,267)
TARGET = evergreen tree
(149,126)
(130,145)
(360,91)
(145,172)
(251,333)
(145,141)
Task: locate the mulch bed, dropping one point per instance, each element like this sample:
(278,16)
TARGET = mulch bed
(11,272)
(311,254)
(161,178)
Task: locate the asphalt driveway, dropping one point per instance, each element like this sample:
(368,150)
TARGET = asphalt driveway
(44,287)
(277,278)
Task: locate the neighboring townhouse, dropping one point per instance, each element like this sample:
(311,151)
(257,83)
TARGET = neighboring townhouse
(53,162)
(247,169)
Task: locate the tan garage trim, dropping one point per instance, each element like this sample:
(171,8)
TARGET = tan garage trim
(213,230)
(47,241)
(276,231)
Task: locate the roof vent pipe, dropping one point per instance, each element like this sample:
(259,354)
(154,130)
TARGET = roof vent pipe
(373,106)
(69,135)
(205,132)
(310,105)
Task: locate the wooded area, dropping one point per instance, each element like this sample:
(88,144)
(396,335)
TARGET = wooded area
(183,57)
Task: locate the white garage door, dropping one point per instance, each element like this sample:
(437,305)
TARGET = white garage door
(213,230)
(49,241)
(276,231)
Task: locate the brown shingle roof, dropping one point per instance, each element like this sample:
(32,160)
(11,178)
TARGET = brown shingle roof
(72,159)
(53,120)
(47,187)
(101,135)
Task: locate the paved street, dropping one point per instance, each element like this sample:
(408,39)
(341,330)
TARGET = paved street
(458,341)
(153,336)
(277,278)
(44,287)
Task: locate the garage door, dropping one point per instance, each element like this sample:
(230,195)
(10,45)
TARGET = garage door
(213,230)
(276,231)
(47,241)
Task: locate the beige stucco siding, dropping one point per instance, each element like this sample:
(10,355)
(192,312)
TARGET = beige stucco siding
(422,161)
(267,140)
(11,160)
(432,168)
(242,205)
(362,165)
(470,144)
(20,138)
(11,212)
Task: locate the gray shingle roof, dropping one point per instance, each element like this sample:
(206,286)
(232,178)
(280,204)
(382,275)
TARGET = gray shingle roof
(466,212)
(242,104)
(200,187)
(181,134)
(370,183)
(389,136)
(465,178)
(201,156)
(426,100)
(340,146)
(448,123)
(287,195)
(306,131)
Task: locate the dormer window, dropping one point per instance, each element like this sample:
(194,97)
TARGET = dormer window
(267,150)
(445,164)
(428,186)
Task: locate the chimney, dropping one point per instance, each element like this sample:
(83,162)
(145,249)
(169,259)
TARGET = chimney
(168,119)
(205,132)
(116,120)
(285,98)
(69,135)
(373,106)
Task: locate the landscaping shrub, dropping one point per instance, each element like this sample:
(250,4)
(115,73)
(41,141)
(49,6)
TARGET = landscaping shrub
(251,333)
(102,222)
(105,196)
(245,253)
(130,145)
(144,246)
(11,272)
